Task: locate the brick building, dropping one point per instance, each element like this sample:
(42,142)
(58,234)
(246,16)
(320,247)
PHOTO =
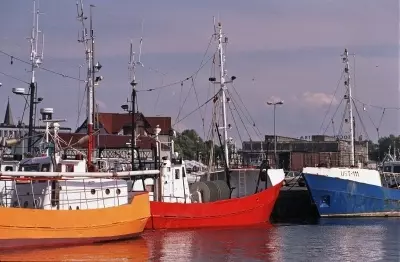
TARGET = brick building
(294,153)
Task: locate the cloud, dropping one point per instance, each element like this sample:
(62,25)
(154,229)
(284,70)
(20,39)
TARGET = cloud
(318,99)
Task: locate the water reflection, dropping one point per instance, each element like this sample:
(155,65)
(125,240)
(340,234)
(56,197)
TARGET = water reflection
(257,243)
(330,240)
(343,240)
(132,250)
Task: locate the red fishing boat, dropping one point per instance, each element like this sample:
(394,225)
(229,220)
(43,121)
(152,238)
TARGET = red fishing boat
(249,210)
(235,200)
(176,204)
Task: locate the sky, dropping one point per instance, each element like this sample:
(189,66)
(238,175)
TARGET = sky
(278,50)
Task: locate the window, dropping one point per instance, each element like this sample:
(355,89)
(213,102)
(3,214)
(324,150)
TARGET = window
(9,168)
(45,168)
(183,172)
(387,169)
(177,175)
(396,169)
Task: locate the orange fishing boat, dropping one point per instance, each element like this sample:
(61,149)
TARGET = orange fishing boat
(26,227)
(54,201)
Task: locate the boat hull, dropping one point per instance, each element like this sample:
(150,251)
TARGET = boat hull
(335,197)
(248,210)
(29,228)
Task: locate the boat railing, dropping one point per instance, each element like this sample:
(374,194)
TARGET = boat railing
(63,193)
(390,180)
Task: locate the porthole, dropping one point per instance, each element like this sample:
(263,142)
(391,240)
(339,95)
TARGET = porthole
(70,207)
(118,191)
(77,207)
(36,202)
(93,191)
(15,204)
(107,191)
(26,204)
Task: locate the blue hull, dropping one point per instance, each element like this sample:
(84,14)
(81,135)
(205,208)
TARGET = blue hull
(335,197)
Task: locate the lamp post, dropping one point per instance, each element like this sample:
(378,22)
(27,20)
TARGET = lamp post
(275,104)
(32,111)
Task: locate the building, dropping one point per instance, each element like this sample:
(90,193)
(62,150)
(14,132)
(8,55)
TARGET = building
(294,153)
(115,133)
(8,130)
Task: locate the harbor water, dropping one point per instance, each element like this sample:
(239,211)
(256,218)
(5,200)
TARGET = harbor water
(360,239)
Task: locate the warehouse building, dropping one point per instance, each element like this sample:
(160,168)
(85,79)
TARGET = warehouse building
(296,153)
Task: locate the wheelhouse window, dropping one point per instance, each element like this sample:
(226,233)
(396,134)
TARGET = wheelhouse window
(177,173)
(396,169)
(9,168)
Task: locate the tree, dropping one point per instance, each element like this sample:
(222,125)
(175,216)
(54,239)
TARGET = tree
(377,151)
(192,147)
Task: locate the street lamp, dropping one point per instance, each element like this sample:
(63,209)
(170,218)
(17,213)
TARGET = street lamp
(275,104)
(32,108)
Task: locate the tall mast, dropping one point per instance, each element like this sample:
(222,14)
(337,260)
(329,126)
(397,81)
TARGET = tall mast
(36,60)
(223,75)
(132,70)
(349,98)
(90,82)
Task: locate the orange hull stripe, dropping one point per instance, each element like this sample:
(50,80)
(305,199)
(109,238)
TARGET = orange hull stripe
(93,223)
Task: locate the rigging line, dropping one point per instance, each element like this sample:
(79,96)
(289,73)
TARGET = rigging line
(380,122)
(41,68)
(252,120)
(212,74)
(79,97)
(375,106)
(360,119)
(15,78)
(234,121)
(333,116)
(198,103)
(177,82)
(343,119)
(184,102)
(180,101)
(180,120)
(158,96)
(204,55)
(234,106)
(330,104)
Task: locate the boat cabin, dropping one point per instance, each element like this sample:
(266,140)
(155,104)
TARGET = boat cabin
(81,192)
(172,184)
(392,167)
(10,162)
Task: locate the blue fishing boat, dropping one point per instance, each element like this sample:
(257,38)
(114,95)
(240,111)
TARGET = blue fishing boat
(346,192)
(354,191)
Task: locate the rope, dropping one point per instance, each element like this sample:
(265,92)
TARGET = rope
(41,68)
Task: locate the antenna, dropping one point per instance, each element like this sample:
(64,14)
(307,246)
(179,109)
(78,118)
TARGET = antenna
(349,98)
(36,58)
(222,83)
(92,80)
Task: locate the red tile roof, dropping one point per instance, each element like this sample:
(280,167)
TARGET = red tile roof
(110,141)
(114,122)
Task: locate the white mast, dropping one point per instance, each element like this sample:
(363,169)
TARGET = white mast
(36,58)
(349,98)
(91,81)
(223,82)
(132,70)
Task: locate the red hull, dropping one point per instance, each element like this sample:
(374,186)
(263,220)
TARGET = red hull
(249,210)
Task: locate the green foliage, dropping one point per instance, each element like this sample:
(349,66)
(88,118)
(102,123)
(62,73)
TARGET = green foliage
(377,151)
(191,146)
